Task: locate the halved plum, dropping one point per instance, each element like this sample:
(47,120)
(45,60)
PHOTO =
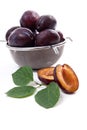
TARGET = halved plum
(46,75)
(67,79)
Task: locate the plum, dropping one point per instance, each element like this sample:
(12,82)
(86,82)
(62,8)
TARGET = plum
(45,22)
(47,37)
(61,36)
(28,19)
(10,31)
(21,37)
(46,75)
(65,76)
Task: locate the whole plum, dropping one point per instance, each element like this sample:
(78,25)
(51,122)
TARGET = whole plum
(47,37)
(29,19)
(10,31)
(21,37)
(46,22)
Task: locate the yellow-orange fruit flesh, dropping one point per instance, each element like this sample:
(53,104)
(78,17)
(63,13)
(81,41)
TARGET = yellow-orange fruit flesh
(67,78)
(46,75)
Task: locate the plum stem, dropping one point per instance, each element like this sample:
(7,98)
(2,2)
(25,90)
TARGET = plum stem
(38,84)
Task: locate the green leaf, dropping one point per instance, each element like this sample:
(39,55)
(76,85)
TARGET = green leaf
(23,76)
(21,92)
(49,96)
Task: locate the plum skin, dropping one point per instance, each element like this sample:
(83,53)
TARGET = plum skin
(10,31)
(45,22)
(28,19)
(42,27)
(47,37)
(61,36)
(21,37)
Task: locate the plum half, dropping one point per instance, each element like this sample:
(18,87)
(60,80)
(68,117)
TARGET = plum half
(66,77)
(46,75)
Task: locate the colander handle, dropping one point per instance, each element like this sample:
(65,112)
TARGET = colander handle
(55,47)
(2,41)
(69,38)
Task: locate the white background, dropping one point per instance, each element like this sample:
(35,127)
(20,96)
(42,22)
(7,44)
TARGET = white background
(71,111)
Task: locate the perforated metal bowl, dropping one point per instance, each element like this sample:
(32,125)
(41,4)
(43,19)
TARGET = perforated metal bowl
(37,57)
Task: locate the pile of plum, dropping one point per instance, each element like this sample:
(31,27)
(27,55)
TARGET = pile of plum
(34,30)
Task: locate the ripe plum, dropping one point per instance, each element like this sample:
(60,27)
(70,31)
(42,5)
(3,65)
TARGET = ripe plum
(10,31)
(21,37)
(45,22)
(47,37)
(29,19)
